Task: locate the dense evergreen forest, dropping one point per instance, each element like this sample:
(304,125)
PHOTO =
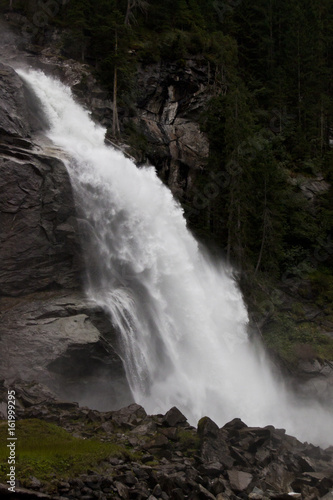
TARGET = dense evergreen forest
(269,123)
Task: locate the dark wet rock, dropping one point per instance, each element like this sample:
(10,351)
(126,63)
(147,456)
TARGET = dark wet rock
(235,425)
(147,428)
(39,240)
(36,199)
(305,464)
(160,441)
(213,445)
(132,415)
(239,457)
(14,115)
(170,100)
(204,494)
(328,496)
(207,428)
(171,433)
(211,469)
(174,417)
(122,490)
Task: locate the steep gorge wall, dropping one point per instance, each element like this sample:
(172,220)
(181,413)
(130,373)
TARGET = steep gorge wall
(38,250)
(48,330)
(170,101)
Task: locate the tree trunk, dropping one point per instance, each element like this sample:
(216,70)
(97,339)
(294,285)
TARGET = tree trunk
(264,229)
(322,127)
(128,12)
(230,223)
(271,39)
(115,121)
(299,76)
(239,237)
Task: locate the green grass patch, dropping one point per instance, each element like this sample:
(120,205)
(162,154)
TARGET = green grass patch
(48,452)
(188,441)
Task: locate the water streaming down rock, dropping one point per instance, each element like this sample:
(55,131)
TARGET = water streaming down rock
(181,317)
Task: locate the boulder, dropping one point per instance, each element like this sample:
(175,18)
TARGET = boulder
(207,428)
(122,490)
(56,338)
(131,415)
(211,469)
(213,444)
(174,417)
(239,480)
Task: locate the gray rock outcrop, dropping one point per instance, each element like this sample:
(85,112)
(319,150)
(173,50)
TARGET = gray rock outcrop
(65,341)
(169,105)
(13,108)
(38,241)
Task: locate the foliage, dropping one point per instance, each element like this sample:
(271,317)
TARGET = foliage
(188,441)
(322,287)
(294,341)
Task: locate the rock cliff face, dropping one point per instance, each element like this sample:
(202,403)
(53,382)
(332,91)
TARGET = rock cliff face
(48,330)
(161,124)
(37,214)
(38,245)
(169,104)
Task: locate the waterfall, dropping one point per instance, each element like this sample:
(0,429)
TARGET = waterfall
(181,317)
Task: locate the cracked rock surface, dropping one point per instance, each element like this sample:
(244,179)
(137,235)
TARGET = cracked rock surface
(65,341)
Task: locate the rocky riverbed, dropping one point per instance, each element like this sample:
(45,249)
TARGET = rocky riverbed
(162,457)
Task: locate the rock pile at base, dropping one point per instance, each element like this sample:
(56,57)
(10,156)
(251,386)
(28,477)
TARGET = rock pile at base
(175,461)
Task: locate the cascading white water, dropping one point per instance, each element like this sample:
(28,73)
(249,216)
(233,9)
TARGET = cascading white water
(181,317)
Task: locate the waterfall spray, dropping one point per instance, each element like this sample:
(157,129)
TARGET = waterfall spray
(181,317)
